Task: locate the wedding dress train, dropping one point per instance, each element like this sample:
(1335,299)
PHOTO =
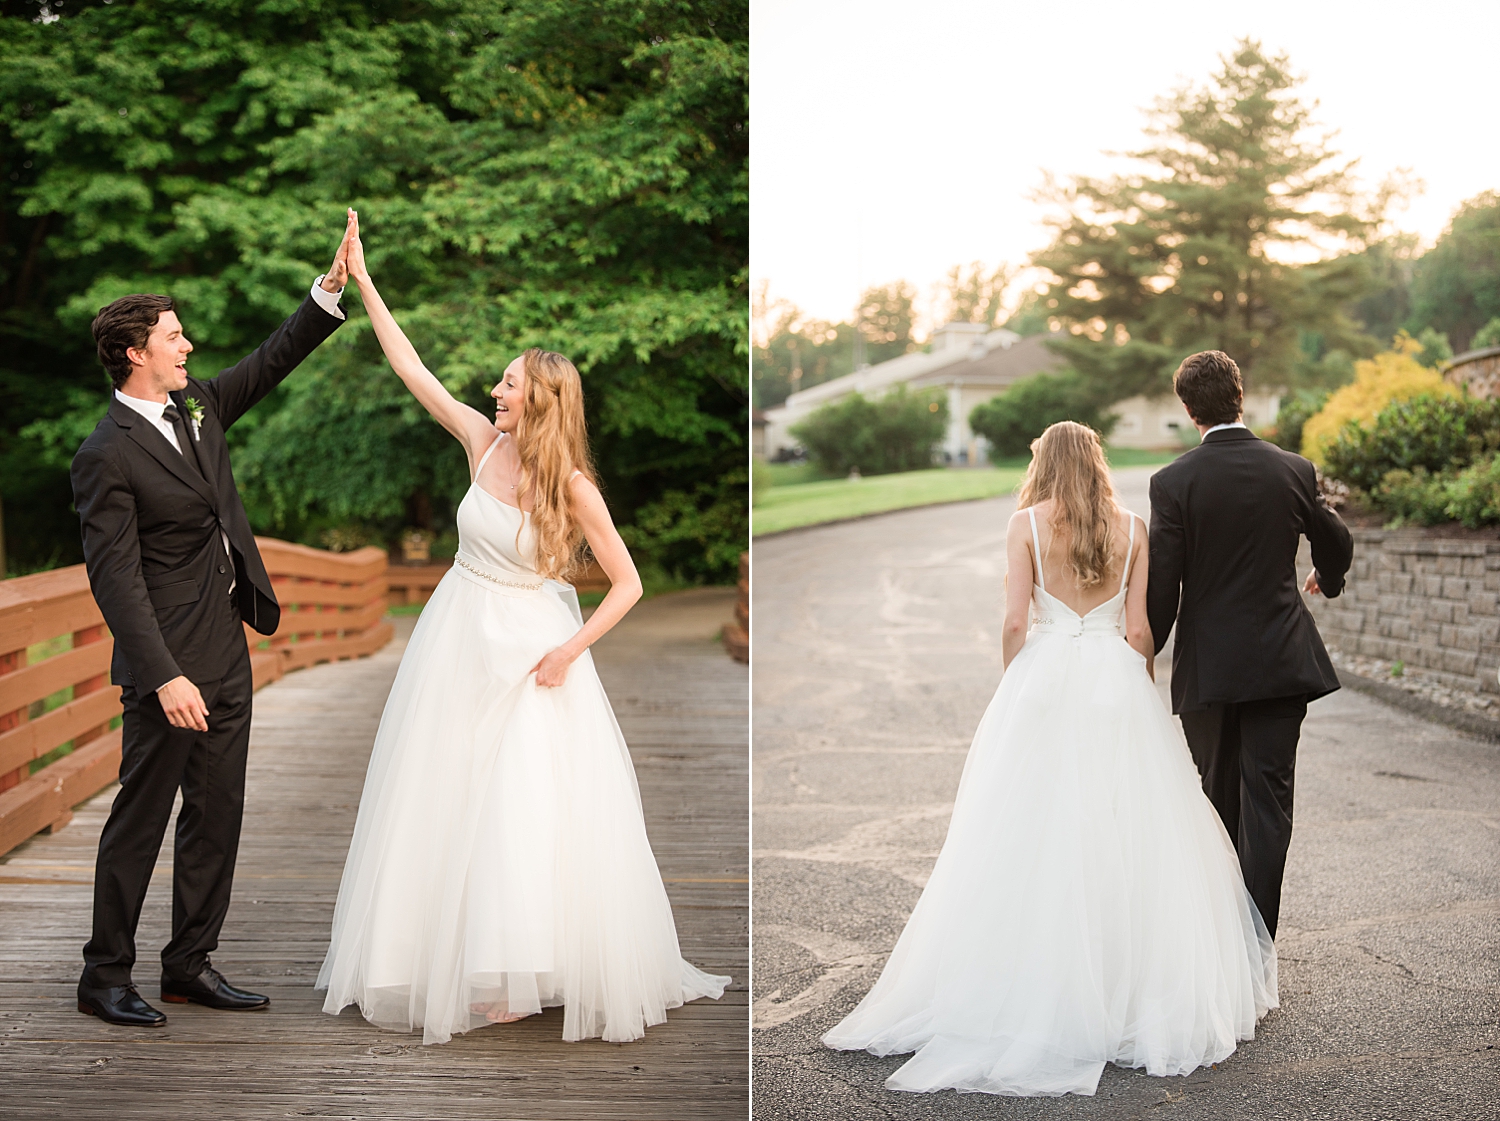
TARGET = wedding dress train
(499,861)
(1087,906)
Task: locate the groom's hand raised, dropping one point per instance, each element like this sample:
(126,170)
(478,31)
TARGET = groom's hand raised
(338,273)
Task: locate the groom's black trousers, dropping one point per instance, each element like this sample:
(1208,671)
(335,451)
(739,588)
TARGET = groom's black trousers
(158,759)
(1247,753)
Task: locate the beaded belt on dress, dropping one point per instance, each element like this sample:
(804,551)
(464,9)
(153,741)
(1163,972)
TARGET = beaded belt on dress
(506,580)
(1103,626)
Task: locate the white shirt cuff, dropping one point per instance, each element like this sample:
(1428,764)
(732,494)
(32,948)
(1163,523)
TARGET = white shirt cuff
(328,301)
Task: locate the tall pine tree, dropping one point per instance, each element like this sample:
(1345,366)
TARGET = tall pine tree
(1239,232)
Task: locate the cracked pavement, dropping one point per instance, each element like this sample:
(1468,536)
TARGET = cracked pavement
(877,646)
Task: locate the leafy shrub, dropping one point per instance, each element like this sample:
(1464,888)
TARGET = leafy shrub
(1474,495)
(1412,496)
(1436,350)
(1395,375)
(1293,416)
(693,535)
(1424,433)
(1470,495)
(897,432)
(1486,336)
(1022,413)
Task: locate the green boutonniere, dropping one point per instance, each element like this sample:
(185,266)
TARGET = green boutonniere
(195,413)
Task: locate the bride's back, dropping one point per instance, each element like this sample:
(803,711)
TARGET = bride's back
(1081,543)
(1059,576)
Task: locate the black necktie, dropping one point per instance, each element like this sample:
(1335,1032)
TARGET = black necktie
(171,415)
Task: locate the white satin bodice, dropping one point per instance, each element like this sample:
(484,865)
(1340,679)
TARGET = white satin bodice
(496,534)
(1050,615)
(493,534)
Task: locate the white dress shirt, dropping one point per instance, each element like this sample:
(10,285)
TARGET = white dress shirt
(1215,428)
(152,410)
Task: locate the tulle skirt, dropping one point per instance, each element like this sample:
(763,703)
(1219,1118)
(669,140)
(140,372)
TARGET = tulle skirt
(1087,906)
(500,858)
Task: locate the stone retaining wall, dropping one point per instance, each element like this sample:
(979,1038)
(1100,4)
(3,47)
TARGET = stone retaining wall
(1428,602)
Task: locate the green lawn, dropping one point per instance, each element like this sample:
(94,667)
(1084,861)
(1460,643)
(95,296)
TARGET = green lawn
(832,500)
(800,496)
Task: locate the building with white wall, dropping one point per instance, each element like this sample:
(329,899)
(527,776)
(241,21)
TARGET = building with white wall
(972,364)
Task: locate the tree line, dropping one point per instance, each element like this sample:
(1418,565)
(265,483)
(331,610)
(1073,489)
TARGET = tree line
(532,172)
(1237,227)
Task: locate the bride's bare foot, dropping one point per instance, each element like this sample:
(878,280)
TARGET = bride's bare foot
(498,1013)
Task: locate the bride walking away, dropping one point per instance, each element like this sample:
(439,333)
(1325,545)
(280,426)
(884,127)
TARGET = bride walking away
(500,863)
(1087,906)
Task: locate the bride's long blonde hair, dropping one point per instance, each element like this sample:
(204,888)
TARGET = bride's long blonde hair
(1068,466)
(552,441)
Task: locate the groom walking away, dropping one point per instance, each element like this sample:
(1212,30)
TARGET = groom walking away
(1226,519)
(173,565)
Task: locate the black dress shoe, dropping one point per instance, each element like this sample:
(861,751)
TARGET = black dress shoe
(211,990)
(120,1004)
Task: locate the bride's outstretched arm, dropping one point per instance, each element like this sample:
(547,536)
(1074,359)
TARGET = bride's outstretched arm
(624,582)
(470,426)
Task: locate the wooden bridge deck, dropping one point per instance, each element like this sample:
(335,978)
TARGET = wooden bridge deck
(683,705)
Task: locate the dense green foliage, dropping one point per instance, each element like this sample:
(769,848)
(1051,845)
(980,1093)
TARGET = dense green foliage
(1293,413)
(1455,286)
(1430,433)
(897,432)
(1019,415)
(1189,254)
(527,173)
(1425,460)
(1469,495)
(1487,336)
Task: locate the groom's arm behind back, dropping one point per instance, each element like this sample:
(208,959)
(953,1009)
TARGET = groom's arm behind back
(1168,546)
(238,388)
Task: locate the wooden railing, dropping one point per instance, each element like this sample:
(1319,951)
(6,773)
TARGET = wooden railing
(53,641)
(415,583)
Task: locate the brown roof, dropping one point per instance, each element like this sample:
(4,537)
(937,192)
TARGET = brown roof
(998,368)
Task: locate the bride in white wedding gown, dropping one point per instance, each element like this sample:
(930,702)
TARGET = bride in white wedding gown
(1087,905)
(500,863)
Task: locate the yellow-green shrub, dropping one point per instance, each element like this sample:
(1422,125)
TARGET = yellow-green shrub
(1394,375)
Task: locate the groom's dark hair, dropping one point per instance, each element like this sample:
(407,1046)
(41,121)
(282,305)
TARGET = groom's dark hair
(126,323)
(1209,384)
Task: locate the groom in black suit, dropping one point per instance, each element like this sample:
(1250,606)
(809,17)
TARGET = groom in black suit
(173,565)
(1226,519)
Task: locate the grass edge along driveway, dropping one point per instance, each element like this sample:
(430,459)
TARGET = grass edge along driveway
(834,500)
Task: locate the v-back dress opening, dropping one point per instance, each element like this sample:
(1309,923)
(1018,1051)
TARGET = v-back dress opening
(500,857)
(1087,905)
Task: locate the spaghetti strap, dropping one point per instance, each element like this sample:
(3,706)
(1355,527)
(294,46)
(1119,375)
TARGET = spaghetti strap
(495,443)
(1037,548)
(1129,549)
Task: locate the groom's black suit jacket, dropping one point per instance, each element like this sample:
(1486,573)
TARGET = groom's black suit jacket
(152,518)
(1226,518)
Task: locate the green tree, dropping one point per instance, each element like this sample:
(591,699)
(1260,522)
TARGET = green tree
(1023,412)
(1456,284)
(884,320)
(897,432)
(1386,308)
(799,352)
(1192,252)
(528,173)
(973,293)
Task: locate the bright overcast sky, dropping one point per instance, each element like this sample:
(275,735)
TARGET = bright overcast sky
(895,138)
